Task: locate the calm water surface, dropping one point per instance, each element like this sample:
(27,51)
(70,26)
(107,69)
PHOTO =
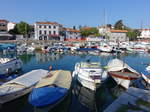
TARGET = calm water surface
(79,99)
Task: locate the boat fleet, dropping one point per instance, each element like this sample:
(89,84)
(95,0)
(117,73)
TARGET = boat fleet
(48,88)
(103,46)
(51,87)
(108,47)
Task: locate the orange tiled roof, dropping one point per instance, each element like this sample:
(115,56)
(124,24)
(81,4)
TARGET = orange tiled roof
(119,31)
(144,29)
(86,28)
(51,23)
(2,21)
(72,30)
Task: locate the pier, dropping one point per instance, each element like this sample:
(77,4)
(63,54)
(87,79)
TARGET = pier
(133,100)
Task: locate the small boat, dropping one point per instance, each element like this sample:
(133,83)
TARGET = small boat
(8,47)
(122,73)
(89,74)
(9,65)
(21,85)
(30,49)
(146,77)
(86,49)
(51,89)
(105,48)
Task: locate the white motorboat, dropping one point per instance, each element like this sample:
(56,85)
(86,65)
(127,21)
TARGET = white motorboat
(122,73)
(105,48)
(21,85)
(30,49)
(89,74)
(9,65)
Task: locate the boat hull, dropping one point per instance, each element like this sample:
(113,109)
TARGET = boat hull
(13,96)
(123,82)
(89,84)
(44,96)
(10,67)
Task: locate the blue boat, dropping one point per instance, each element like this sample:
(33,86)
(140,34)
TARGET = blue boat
(51,89)
(7,47)
(87,49)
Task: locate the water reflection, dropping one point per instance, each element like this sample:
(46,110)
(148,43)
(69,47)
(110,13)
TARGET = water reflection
(26,57)
(41,57)
(94,101)
(85,96)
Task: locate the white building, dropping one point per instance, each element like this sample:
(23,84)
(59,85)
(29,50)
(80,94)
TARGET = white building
(145,34)
(72,34)
(103,29)
(47,30)
(10,26)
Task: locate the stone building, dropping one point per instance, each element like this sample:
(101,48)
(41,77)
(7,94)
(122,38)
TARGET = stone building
(118,35)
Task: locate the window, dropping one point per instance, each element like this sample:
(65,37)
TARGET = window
(45,26)
(54,32)
(40,26)
(45,32)
(50,27)
(45,37)
(50,32)
(54,27)
(40,32)
(40,38)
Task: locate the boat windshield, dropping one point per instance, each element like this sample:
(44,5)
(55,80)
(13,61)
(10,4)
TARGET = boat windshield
(90,65)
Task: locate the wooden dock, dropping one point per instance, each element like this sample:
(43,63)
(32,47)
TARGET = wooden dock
(133,100)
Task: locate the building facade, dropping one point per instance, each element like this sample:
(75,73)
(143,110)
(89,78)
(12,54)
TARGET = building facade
(72,34)
(145,34)
(118,35)
(3,25)
(10,26)
(103,29)
(47,30)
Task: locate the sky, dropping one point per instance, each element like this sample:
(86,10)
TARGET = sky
(78,12)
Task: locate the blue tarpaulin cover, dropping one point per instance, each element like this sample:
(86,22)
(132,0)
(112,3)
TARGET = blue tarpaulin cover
(46,95)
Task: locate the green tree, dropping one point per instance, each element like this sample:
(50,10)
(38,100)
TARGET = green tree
(13,31)
(88,31)
(21,28)
(119,25)
(133,34)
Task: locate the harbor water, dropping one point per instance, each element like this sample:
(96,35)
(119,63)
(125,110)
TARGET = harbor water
(79,98)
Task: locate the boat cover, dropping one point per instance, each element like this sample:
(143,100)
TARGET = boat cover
(59,78)
(117,65)
(30,78)
(46,95)
(27,80)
